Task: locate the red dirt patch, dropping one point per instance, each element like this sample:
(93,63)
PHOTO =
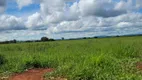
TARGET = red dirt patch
(32,74)
(139,65)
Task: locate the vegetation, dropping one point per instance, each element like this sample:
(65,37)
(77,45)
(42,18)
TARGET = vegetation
(89,59)
(2,60)
(7,42)
(43,39)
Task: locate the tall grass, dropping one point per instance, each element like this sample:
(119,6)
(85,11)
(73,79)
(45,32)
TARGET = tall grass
(91,59)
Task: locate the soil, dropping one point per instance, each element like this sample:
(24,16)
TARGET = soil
(32,74)
(139,65)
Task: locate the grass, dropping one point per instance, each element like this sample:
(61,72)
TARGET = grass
(89,59)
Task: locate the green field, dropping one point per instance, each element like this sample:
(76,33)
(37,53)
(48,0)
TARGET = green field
(89,59)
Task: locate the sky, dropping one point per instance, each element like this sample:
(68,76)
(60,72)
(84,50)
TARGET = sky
(33,19)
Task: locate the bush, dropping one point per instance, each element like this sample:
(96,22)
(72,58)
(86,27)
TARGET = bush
(2,59)
(51,40)
(35,62)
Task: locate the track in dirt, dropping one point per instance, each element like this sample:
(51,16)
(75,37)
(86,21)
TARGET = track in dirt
(32,74)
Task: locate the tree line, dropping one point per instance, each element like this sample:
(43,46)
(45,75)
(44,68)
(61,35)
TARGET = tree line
(43,39)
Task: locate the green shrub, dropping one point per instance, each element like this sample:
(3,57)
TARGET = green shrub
(2,60)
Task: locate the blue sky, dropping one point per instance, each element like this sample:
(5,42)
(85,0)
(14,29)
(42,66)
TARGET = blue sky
(12,9)
(32,19)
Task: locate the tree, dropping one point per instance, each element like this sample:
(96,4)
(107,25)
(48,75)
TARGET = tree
(44,39)
(14,41)
(63,38)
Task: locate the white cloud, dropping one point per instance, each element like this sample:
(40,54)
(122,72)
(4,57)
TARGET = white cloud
(22,3)
(9,22)
(51,6)
(99,16)
(72,13)
(97,24)
(123,24)
(103,8)
(35,21)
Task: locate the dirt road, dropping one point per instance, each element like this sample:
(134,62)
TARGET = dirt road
(32,74)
